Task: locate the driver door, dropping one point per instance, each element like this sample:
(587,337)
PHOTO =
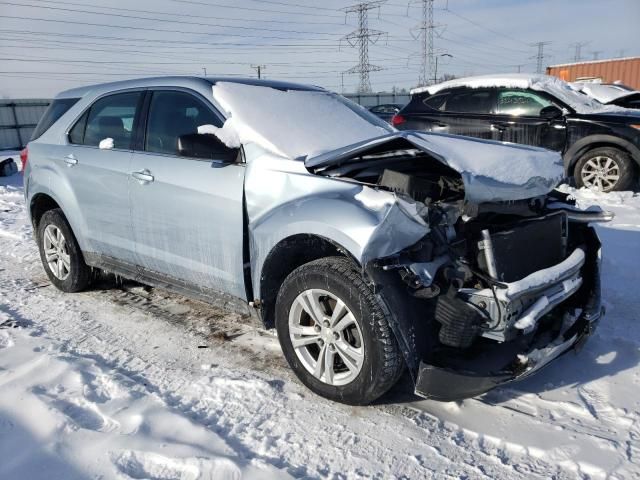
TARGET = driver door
(519,120)
(187,213)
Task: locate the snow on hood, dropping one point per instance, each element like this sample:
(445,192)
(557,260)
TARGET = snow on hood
(602,93)
(560,89)
(293,123)
(490,171)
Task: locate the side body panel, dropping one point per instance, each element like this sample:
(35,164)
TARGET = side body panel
(100,183)
(188,222)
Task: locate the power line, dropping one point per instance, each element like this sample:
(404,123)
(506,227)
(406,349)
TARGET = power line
(479,25)
(184,22)
(186,15)
(250,9)
(361,38)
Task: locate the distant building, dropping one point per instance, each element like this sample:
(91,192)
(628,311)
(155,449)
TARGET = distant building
(624,70)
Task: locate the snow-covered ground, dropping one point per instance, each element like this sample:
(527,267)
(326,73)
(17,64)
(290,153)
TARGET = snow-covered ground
(129,382)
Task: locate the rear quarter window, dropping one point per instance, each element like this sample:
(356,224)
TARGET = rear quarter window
(56,109)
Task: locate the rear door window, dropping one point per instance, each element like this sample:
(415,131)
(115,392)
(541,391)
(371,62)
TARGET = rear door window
(520,103)
(469,101)
(56,109)
(173,114)
(437,101)
(109,117)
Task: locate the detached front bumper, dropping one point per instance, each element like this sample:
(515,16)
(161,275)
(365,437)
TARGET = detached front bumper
(441,379)
(444,384)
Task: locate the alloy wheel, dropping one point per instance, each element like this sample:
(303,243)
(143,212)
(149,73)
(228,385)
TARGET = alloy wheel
(56,253)
(326,337)
(600,172)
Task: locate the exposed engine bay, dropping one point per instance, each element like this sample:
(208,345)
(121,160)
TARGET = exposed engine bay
(499,273)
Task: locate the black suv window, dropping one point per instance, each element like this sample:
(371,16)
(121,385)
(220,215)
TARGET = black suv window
(469,101)
(56,109)
(520,103)
(437,101)
(109,117)
(172,115)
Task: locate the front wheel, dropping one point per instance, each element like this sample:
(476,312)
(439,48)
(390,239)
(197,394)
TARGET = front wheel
(335,334)
(606,169)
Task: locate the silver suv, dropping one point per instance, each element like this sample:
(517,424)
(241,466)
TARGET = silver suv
(368,249)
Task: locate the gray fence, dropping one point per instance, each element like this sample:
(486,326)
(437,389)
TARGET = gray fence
(18,118)
(373,99)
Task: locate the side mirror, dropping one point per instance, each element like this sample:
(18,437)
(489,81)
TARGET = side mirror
(206,146)
(551,112)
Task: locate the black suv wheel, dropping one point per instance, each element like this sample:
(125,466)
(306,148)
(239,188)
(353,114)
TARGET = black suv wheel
(335,334)
(606,169)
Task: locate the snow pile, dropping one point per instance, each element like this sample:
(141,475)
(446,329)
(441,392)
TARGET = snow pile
(6,340)
(106,144)
(543,83)
(228,134)
(294,123)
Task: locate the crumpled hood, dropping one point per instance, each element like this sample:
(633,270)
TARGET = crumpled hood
(490,171)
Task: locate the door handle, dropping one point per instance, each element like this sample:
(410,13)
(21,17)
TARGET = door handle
(500,126)
(143,176)
(71,160)
(441,125)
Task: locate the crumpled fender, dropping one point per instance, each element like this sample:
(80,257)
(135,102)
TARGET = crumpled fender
(283,200)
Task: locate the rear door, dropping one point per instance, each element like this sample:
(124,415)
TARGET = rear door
(519,121)
(100,176)
(187,213)
(459,111)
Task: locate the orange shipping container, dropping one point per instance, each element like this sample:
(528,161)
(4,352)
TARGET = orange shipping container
(625,70)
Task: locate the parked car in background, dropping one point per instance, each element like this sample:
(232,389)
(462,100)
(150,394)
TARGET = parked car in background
(386,111)
(368,249)
(600,143)
(610,93)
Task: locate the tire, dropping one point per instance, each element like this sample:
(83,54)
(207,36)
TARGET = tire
(592,168)
(373,345)
(74,275)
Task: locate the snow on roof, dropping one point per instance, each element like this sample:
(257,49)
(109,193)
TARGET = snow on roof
(295,123)
(559,89)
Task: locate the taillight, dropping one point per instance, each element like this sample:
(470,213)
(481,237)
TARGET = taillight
(397,119)
(24,156)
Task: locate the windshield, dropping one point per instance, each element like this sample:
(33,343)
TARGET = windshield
(295,123)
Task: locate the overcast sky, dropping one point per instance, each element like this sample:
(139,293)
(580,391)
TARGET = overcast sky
(48,46)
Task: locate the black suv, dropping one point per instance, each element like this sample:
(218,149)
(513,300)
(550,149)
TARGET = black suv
(600,143)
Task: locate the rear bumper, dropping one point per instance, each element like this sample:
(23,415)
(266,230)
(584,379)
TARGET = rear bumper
(444,384)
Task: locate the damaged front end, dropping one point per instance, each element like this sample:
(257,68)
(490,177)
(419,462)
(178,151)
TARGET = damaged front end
(496,289)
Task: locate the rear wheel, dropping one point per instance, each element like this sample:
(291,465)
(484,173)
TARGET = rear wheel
(60,253)
(605,169)
(335,334)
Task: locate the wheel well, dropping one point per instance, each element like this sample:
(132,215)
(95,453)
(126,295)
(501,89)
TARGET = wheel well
(593,146)
(284,258)
(40,204)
